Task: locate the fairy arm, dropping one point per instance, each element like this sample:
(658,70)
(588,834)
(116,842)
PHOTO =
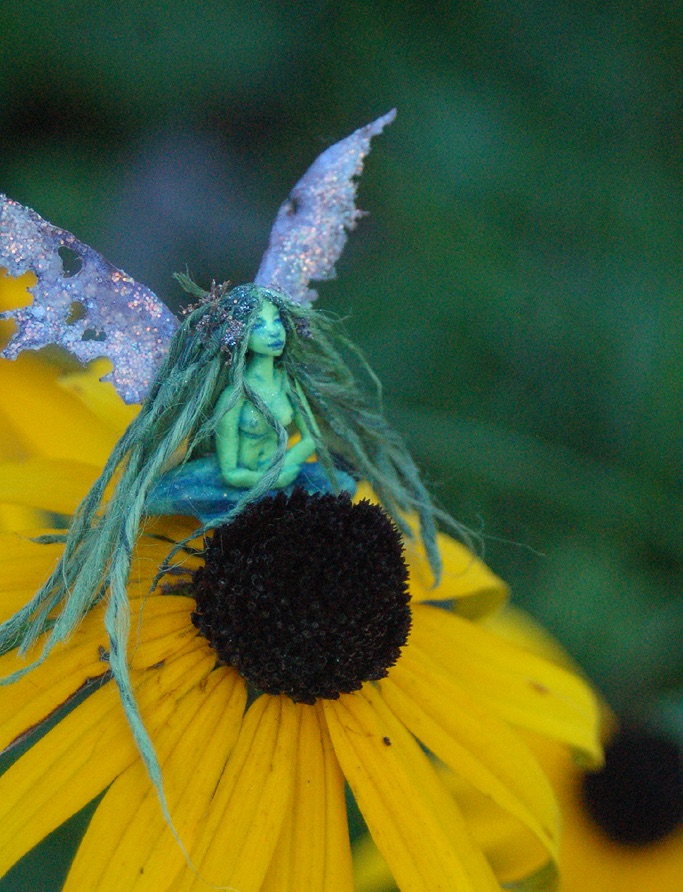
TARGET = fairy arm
(298,453)
(227,441)
(301,450)
(305,423)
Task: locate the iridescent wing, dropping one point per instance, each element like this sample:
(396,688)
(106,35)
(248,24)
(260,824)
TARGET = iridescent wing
(311,227)
(82,302)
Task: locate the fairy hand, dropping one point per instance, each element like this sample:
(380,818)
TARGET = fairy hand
(288,475)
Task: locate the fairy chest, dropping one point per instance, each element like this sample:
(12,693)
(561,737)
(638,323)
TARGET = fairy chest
(253,422)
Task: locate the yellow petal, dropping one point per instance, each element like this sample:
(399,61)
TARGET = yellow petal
(414,821)
(159,687)
(237,841)
(151,552)
(18,517)
(469,738)
(14,290)
(160,628)
(172,529)
(12,600)
(521,687)
(45,419)
(14,293)
(512,852)
(83,754)
(465,579)
(32,698)
(164,633)
(128,845)
(43,483)
(62,773)
(25,563)
(99,397)
(313,851)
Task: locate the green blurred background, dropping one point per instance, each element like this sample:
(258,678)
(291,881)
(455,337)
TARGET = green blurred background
(517,282)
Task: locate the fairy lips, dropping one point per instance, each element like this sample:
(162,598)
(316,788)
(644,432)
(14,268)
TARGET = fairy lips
(305,596)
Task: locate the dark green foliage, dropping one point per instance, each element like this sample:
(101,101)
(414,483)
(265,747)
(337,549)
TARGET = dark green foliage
(516,287)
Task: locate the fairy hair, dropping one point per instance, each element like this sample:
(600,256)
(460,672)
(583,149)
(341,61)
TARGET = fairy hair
(203,376)
(206,360)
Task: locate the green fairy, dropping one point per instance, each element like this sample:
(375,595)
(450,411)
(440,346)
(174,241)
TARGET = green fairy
(270,638)
(250,395)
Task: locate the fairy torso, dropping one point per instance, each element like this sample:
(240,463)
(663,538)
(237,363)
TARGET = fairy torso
(257,439)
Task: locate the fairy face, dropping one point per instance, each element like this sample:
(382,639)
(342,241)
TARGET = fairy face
(268,333)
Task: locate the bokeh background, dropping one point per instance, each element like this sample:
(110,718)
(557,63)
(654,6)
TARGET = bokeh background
(516,284)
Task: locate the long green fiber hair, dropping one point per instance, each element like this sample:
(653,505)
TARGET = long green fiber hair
(206,361)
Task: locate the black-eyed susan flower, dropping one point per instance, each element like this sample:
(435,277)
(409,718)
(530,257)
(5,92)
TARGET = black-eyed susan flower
(622,827)
(254,775)
(622,824)
(300,645)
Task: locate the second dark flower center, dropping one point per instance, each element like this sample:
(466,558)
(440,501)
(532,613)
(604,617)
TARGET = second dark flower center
(637,798)
(305,595)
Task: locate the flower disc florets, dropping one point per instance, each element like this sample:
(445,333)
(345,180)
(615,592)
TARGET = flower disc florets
(305,595)
(637,798)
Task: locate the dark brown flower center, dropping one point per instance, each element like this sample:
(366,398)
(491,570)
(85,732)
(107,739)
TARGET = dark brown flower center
(637,798)
(305,595)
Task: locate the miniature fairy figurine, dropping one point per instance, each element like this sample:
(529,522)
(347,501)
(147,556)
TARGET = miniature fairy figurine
(250,423)
(207,404)
(220,394)
(271,364)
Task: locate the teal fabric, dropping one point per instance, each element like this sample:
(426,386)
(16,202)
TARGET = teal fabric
(196,488)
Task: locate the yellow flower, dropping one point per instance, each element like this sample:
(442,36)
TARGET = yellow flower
(621,826)
(642,845)
(591,861)
(255,782)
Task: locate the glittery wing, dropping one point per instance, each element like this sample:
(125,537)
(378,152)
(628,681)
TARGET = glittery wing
(82,302)
(311,227)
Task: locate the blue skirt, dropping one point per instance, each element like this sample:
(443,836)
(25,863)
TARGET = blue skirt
(197,488)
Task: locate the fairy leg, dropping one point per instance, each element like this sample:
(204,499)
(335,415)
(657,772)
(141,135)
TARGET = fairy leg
(313,479)
(197,489)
